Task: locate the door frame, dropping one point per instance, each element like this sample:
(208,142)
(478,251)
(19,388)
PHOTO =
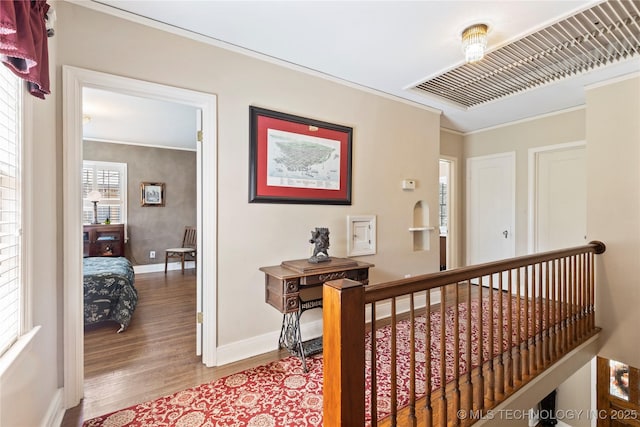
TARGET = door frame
(509,155)
(533,164)
(74,80)
(453,260)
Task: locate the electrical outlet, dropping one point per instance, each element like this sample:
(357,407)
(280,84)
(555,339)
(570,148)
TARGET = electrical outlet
(152,254)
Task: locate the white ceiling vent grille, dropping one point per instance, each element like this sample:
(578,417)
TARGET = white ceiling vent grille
(603,34)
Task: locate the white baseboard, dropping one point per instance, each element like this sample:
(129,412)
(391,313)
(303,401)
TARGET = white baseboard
(260,344)
(157,268)
(55,411)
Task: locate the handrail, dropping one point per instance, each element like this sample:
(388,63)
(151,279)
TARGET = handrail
(545,309)
(382,291)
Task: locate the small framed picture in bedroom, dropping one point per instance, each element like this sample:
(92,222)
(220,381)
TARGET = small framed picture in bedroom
(152,194)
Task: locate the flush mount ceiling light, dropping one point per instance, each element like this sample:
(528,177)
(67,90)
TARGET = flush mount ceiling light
(474,42)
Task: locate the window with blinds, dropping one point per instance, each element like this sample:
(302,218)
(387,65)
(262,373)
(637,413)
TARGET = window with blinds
(10,212)
(110,179)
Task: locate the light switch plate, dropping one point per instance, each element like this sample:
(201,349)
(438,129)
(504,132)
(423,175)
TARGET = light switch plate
(408,184)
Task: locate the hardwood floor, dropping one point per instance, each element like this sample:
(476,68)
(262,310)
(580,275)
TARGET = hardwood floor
(154,357)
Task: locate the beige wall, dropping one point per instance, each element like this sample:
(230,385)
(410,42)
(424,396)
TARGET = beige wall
(28,387)
(399,139)
(613,205)
(574,397)
(153,228)
(520,137)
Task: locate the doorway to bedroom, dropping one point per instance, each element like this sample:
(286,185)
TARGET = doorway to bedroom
(132,144)
(150,225)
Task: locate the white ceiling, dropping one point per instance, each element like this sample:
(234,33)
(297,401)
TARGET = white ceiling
(387,46)
(116,117)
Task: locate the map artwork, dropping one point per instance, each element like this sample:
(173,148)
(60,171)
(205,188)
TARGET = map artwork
(302,161)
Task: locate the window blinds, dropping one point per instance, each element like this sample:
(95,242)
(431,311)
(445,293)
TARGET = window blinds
(10,215)
(110,180)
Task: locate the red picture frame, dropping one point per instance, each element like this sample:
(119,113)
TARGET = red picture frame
(294,159)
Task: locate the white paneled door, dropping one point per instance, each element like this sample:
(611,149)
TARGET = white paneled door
(490,208)
(559,197)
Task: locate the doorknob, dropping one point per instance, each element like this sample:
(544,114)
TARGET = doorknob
(505,233)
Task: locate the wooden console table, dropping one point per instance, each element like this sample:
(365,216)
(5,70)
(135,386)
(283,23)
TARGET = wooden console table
(283,284)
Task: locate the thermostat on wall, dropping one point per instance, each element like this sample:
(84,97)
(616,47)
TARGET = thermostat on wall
(408,184)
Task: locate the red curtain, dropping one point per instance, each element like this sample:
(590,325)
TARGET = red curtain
(23,42)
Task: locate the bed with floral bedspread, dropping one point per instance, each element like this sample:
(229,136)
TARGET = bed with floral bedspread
(109,292)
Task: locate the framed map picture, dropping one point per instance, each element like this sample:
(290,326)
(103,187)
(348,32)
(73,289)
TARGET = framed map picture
(293,159)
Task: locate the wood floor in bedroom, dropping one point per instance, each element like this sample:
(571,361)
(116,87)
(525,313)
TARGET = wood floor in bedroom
(154,357)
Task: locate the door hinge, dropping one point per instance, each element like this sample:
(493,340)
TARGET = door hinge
(199,136)
(199,317)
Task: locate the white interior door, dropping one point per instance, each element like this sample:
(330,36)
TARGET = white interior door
(490,208)
(560,197)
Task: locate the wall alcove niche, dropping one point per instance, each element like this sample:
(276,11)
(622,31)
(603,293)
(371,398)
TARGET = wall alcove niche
(420,229)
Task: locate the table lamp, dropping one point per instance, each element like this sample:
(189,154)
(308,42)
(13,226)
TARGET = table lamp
(94,197)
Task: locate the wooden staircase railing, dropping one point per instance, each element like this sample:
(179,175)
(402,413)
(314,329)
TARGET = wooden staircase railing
(498,325)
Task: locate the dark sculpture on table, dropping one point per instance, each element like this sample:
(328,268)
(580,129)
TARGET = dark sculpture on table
(320,237)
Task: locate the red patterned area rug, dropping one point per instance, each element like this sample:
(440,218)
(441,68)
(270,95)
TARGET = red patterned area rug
(279,394)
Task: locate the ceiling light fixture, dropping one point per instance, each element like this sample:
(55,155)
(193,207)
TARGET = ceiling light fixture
(474,42)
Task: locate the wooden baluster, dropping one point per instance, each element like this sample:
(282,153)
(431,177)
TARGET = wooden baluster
(442,416)
(456,355)
(560,307)
(592,281)
(491,347)
(428,411)
(527,323)
(587,269)
(576,302)
(583,295)
(517,361)
(565,306)
(480,348)
(374,368)
(572,275)
(542,296)
(534,325)
(581,304)
(546,354)
(412,363)
(510,354)
(578,297)
(501,350)
(569,305)
(468,382)
(540,315)
(553,355)
(394,365)
(587,296)
(585,292)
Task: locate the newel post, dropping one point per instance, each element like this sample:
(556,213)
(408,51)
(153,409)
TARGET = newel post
(343,353)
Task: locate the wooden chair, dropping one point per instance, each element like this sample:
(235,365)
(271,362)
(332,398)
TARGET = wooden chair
(189,247)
